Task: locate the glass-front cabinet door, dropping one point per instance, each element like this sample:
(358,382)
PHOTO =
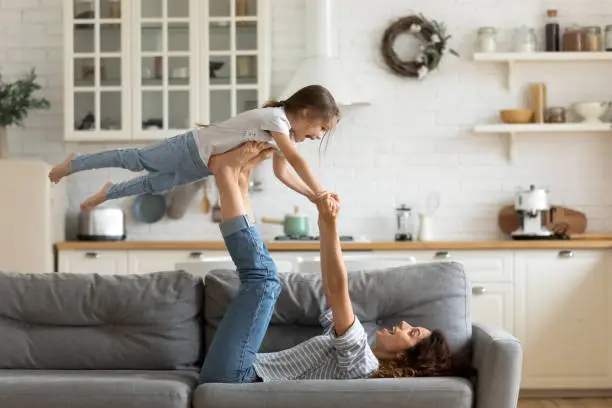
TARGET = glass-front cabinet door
(97,70)
(139,70)
(233,51)
(165,67)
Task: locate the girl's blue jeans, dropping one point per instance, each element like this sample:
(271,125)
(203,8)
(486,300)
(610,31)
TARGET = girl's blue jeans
(169,164)
(236,343)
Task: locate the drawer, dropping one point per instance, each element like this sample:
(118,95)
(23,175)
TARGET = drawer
(481,265)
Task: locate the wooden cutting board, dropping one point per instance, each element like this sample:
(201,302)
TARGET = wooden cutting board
(575,220)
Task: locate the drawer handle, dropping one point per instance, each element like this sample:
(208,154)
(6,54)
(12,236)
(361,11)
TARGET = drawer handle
(566,254)
(478,290)
(197,255)
(442,254)
(93,255)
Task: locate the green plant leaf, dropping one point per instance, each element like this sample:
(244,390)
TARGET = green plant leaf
(17,99)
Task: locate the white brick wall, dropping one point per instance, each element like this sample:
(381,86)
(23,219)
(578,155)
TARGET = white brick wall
(414,138)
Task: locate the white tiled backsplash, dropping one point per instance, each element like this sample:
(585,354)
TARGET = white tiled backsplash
(414,138)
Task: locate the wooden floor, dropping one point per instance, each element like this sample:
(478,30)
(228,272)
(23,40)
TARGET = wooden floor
(566,403)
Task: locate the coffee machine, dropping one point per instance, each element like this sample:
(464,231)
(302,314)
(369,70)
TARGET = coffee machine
(532,210)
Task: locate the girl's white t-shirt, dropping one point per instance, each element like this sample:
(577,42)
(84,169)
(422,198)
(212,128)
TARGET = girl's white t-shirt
(252,125)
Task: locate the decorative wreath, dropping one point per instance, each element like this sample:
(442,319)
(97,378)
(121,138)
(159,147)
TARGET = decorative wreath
(433,37)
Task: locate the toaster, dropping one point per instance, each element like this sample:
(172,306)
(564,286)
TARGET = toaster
(101,224)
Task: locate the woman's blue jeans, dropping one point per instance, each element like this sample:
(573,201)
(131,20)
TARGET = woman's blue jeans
(234,348)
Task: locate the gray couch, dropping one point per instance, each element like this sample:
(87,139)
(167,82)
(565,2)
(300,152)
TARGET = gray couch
(89,341)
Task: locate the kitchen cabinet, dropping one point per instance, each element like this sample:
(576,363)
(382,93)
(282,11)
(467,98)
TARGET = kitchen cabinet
(563,318)
(154,261)
(148,69)
(101,262)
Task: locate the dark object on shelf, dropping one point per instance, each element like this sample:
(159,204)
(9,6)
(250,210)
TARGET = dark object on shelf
(153,122)
(553,32)
(88,122)
(214,66)
(85,15)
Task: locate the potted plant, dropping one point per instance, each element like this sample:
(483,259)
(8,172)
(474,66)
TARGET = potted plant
(16,100)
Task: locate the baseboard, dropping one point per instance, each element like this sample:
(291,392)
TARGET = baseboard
(547,394)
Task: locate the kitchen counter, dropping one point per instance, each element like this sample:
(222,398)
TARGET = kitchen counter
(579,242)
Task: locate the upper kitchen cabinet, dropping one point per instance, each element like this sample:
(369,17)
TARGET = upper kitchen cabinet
(150,69)
(165,61)
(97,69)
(235,50)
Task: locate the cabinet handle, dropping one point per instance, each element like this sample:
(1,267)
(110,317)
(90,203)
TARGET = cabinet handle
(566,254)
(442,254)
(93,255)
(478,290)
(197,255)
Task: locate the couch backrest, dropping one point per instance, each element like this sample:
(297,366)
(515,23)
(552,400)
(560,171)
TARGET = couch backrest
(91,321)
(435,295)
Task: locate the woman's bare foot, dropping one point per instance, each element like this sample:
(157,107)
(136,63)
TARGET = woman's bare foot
(238,157)
(98,198)
(247,169)
(61,170)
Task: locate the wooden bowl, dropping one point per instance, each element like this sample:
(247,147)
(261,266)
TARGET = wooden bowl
(516,116)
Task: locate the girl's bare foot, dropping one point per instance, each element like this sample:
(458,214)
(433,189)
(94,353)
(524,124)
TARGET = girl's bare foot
(61,170)
(98,198)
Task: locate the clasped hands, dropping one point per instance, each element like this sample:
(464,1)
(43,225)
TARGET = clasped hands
(328,205)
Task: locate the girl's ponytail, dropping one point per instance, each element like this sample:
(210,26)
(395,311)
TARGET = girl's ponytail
(273,104)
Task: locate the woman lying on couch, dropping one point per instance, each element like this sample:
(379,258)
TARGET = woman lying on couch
(342,351)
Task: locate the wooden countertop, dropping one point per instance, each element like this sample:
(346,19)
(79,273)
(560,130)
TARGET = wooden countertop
(594,242)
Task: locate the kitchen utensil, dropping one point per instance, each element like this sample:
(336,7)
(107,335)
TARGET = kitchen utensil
(216,213)
(294,225)
(575,221)
(179,199)
(433,202)
(591,112)
(149,208)
(216,208)
(403,217)
(516,116)
(205,204)
(101,224)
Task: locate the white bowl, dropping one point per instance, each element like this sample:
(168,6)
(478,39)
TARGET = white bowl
(591,111)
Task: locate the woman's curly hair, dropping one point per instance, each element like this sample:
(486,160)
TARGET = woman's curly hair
(431,357)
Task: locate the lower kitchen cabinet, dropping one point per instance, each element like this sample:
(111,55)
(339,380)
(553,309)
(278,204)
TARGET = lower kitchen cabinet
(102,262)
(563,319)
(493,304)
(154,261)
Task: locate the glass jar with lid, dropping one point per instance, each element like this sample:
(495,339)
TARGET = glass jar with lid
(403,218)
(556,115)
(486,41)
(609,38)
(573,39)
(591,39)
(525,39)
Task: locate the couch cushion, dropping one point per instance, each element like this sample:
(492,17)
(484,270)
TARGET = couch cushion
(96,389)
(91,321)
(388,392)
(434,295)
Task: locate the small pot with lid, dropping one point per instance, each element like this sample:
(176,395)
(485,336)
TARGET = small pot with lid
(295,225)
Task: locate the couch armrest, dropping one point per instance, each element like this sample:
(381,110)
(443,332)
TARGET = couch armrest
(498,357)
